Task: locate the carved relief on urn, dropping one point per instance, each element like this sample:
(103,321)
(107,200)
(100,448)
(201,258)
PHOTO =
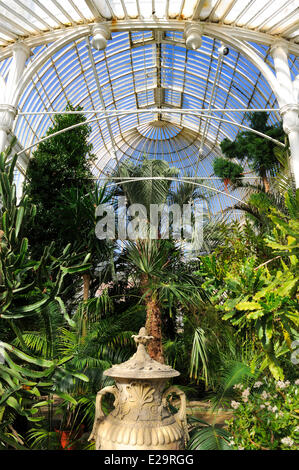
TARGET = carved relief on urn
(140,419)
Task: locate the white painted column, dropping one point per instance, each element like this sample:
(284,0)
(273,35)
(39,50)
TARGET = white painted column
(3,129)
(296,89)
(7,116)
(288,101)
(279,53)
(3,137)
(7,90)
(290,116)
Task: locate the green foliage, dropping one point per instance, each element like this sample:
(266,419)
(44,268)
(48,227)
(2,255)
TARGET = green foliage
(28,288)
(265,416)
(58,168)
(184,191)
(60,184)
(258,206)
(284,239)
(207,437)
(257,150)
(264,305)
(158,260)
(284,178)
(260,298)
(155,265)
(199,355)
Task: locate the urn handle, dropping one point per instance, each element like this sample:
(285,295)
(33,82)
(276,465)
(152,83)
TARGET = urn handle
(180,416)
(99,414)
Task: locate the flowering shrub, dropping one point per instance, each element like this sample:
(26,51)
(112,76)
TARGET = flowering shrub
(265,416)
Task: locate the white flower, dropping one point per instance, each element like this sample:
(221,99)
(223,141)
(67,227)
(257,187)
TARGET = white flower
(264,395)
(274,409)
(238,386)
(282,385)
(297,382)
(296,429)
(287,441)
(245,395)
(262,407)
(241,448)
(235,404)
(257,384)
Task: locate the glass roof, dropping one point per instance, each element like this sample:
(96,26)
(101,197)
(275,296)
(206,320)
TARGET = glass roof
(146,80)
(30,17)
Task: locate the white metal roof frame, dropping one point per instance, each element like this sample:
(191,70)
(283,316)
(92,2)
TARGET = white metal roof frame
(146,69)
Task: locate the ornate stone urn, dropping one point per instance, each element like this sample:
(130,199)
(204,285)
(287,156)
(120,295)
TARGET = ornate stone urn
(141,419)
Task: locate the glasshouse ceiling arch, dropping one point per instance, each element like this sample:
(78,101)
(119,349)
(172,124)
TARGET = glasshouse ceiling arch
(146,92)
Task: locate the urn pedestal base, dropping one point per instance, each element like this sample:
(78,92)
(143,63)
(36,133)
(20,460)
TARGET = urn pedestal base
(116,435)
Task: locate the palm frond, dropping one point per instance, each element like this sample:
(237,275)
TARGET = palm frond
(43,439)
(199,357)
(283,180)
(207,437)
(145,190)
(232,373)
(36,341)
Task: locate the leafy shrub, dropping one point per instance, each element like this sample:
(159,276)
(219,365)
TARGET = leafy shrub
(265,416)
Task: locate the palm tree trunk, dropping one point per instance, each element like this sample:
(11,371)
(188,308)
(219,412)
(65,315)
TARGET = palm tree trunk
(153,321)
(266,184)
(153,327)
(226,181)
(86,283)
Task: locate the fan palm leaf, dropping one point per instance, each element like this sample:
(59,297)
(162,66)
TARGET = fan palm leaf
(207,437)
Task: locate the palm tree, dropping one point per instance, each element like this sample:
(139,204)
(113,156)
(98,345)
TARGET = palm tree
(187,191)
(156,263)
(151,183)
